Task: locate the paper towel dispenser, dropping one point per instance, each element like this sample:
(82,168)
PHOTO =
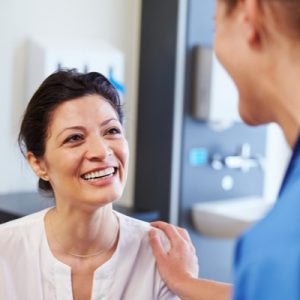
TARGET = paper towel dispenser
(215,97)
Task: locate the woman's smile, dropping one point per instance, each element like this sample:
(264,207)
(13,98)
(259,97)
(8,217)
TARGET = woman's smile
(98,174)
(101,177)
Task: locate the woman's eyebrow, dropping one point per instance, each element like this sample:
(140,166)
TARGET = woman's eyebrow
(108,121)
(83,128)
(71,127)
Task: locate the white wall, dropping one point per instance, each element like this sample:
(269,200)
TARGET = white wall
(116,21)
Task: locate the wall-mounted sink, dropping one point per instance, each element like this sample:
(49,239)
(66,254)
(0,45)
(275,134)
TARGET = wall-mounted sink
(228,218)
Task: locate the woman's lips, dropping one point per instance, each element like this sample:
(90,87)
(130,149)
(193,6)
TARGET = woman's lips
(101,177)
(97,174)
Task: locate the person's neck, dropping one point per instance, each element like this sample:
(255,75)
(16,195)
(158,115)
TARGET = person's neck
(284,91)
(82,231)
(287,114)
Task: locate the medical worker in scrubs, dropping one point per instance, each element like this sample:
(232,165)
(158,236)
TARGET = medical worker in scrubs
(258,42)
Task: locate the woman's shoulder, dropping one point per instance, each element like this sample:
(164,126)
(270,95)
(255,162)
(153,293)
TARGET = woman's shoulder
(21,226)
(135,253)
(139,229)
(133,223)
(132,227)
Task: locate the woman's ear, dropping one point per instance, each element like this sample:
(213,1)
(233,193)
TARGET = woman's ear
(37,165)
(252,19)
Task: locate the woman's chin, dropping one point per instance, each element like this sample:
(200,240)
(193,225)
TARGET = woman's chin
(253,121)
(248,118)
(97,201)
(248,121)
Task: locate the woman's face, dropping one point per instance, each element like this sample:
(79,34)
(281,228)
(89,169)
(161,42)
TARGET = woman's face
(86,157)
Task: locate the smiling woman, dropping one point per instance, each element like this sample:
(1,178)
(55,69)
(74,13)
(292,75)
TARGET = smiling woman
(85,149)
(73,138)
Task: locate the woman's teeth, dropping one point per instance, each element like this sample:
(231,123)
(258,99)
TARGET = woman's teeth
(99,174)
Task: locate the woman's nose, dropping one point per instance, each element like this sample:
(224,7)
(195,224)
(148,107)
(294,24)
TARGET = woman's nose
(98,148)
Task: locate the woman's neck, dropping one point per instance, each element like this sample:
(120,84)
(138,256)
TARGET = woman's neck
(75,231)
(287,113)
(283,90)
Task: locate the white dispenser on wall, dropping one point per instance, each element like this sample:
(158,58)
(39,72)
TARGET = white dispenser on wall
(215,97)
(48,54)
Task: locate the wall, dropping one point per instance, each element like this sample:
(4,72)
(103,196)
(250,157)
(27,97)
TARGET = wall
(116,21)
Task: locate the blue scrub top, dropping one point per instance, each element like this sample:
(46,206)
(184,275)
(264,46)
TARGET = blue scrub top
(267,258)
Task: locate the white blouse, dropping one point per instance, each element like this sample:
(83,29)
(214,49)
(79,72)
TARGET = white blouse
(29,271)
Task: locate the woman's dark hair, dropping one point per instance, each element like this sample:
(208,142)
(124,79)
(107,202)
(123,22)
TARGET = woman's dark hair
(56,89)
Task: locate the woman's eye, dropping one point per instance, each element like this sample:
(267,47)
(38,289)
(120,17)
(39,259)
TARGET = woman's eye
(73,138)
(113,131)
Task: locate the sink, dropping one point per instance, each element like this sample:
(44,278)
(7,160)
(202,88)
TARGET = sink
(228,218)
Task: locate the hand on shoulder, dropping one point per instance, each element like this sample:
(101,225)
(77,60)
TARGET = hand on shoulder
(178,266)
(180,261)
